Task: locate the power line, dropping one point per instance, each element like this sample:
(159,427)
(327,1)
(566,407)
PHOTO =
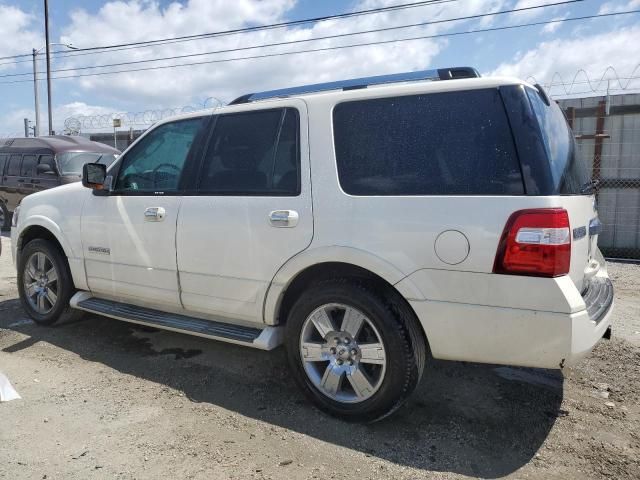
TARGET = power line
(379,42)
(294,42)
(248,29)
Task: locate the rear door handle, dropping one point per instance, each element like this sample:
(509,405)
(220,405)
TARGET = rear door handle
(283,218)
(21,180)
(154,214)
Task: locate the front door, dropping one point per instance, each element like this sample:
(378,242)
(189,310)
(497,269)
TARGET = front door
(250,214)
(129,236)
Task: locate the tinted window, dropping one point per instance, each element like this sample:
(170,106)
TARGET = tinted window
(156,161)
(48,161)
(28,165)
(568,173)
(254,153)
(3,161)
(454,143)
(14,165)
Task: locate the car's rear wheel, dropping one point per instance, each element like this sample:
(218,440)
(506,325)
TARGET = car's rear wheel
(44,283)
(5,217)
(354,353)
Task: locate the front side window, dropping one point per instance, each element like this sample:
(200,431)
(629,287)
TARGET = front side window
(28,165)
(452,143)
(155,163)
(71,163)
(568,173)
(48,162)
(13,170)
(254,153)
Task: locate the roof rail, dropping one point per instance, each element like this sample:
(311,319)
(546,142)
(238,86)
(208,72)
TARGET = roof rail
(364,82)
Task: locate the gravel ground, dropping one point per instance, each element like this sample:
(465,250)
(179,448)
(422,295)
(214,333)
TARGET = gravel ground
(105,399)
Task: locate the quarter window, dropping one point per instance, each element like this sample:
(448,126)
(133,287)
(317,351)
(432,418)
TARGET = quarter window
(453,143)
(28,165)
(156,162)
(254,153)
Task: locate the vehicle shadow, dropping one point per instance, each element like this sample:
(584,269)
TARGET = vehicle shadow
(469,419)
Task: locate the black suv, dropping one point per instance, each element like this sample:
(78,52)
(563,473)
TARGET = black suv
(28,165)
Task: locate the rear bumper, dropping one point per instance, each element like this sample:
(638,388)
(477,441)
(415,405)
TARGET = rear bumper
(517,336)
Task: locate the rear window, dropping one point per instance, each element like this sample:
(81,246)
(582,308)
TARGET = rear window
(452,143)
(568,173)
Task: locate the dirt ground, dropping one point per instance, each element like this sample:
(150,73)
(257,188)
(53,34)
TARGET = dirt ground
(105,399)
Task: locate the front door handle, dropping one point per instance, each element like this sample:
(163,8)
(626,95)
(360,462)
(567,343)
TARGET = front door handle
(283,218)
(35,180)
(154,214)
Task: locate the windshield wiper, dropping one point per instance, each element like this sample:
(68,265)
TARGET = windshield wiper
(589,187)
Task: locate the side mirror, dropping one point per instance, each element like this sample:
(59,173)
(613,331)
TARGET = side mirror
(94,175)
(43,168)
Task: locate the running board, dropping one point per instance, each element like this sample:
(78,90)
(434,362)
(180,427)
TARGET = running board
(267,338)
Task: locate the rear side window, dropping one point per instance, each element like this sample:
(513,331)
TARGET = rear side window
(13,170)
(28,165)
(254,153)
(453,143)
(568,174)
(3,162)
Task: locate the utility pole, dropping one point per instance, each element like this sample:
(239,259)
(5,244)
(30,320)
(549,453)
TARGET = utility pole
(26,128)
(46,33)
(36,130)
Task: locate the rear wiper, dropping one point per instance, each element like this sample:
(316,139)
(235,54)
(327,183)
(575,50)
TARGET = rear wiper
(589,187)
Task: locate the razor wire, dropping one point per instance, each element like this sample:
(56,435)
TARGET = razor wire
(609,82)
(77,124)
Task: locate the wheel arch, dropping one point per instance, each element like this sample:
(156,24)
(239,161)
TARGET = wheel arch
(41,227)
(335,262)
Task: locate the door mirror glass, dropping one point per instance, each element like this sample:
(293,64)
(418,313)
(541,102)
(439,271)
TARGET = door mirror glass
(94,175)
(44,169)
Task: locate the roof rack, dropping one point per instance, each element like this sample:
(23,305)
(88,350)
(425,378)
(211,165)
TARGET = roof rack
(364,82)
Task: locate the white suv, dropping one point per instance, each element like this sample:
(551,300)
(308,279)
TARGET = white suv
(368,225)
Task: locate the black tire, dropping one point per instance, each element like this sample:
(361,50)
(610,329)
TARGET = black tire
(5,217)
(60,311)
(403,341)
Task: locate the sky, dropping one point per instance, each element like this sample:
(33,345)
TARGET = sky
(544,53)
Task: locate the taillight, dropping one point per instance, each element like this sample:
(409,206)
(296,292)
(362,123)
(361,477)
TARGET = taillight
(535,242)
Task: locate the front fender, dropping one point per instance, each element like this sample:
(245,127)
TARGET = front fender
(51,226)
(348,255)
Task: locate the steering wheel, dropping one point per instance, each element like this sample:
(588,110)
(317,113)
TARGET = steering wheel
(155,172)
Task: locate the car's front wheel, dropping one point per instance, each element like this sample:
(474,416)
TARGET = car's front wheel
(355,353)
(44,283)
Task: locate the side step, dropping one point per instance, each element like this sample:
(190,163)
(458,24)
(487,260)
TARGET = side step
(267,338)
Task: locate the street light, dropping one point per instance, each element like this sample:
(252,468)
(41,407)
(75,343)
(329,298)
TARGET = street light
(36,132)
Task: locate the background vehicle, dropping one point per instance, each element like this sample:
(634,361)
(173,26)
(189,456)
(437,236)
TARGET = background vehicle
(29,165)
(446,217)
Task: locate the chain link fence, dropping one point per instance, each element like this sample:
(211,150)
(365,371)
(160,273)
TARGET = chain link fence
(607,133)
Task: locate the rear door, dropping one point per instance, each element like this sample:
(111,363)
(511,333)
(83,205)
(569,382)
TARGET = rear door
(250,213)
(12,181)
(27,172)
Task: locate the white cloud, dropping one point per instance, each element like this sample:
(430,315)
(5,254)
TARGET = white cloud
(613,7)
(126,21)
(16,33)
(558,61)
(552,27)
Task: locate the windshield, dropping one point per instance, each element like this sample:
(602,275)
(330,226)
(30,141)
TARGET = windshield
(71,163)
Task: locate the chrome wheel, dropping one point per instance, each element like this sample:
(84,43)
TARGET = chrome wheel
(342,353)
(40,283)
